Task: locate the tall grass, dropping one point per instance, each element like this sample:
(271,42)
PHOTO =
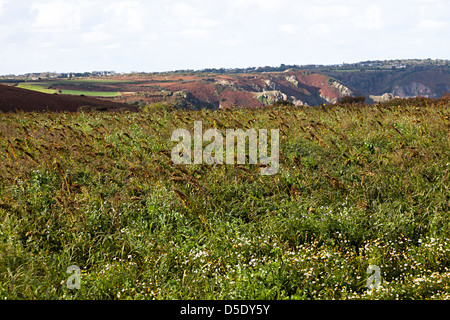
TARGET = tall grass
(357,186)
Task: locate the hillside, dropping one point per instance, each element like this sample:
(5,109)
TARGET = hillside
(243,90)
(402,78)
(12,99)
(198,90)
(254,87)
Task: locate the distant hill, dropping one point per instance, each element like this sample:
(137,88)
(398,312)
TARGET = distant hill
(300,85)
(402,78)
(213,90)
(16,99)
(253,87)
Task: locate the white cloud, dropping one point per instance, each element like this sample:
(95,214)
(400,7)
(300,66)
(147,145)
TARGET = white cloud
(430,24)
(2,3)
(320,30)
(99,33)
(231,42)
(289,29)
(182,9)
(194,33)
(187,21)
(427,1)
(56,14)
(330,13)
(149,35)
(373,18)
(266,6)
(206,23)
(270,6)
(126,15)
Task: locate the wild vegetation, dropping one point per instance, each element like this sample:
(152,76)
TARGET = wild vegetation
(13,98)
(48,88)
(376,81)
(358,185)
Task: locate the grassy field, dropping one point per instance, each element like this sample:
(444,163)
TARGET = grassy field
(357,186)
(43,87)
(35,87)
(105,94)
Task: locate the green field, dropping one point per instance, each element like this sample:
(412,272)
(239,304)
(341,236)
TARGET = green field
(43,87)
(105,94)
(35,87)
(357,186)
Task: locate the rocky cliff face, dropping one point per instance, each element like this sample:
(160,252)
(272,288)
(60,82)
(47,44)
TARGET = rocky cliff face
(270,97)
(382,98)
(427,81)
(343,90)
(412,89)
(251,89)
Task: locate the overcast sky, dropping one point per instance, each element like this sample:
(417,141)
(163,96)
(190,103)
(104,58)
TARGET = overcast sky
(163,35)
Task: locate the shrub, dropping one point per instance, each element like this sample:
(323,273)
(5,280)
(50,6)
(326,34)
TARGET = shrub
(352,100)
(282,103)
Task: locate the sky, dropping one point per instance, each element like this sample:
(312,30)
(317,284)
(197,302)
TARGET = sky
(166,35)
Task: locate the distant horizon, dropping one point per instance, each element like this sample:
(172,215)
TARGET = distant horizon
(229,68)
(166,35)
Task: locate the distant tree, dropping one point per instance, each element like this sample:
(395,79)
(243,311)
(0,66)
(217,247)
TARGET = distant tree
(352,100)
(282,103)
